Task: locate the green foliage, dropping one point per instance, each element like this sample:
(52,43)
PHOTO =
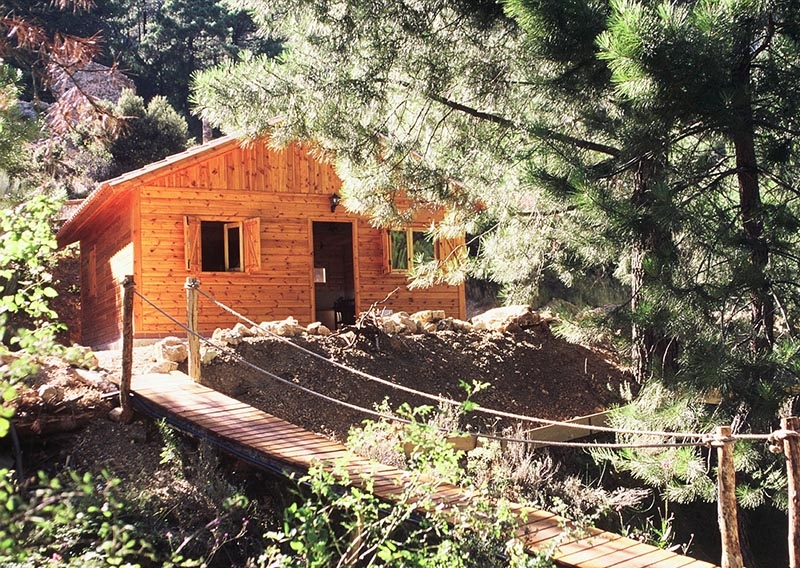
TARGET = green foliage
(15,131)
(161,44)
(573,137)
(151,132)
(27,245)
(342,523)
(682,474)
(171,454)
(76,521)
(512,471)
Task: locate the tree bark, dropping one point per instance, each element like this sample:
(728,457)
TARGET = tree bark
(647,341)
(762,308)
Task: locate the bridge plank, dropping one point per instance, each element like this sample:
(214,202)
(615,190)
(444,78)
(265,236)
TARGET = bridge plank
(280,442)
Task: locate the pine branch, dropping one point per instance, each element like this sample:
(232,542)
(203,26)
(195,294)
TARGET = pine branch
(538,131)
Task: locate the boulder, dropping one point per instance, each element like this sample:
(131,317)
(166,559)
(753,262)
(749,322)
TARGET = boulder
(445,324)
(461,325)
(508,318)
(171,349)
(427,316)
(318,328)
(51,394)
(429,327)
(207,354)
(241,330)
(163,367)
(403,323)
(225,337)
(288,328)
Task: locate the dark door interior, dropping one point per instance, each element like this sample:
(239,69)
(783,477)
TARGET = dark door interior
(334,284)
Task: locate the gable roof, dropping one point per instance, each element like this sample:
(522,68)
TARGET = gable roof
(108,190)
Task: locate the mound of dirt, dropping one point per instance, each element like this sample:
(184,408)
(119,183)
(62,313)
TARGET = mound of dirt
(530,372)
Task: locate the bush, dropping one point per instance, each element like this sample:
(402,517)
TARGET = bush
(150,132)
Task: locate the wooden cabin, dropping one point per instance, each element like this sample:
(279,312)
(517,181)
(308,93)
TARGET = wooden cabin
(260,228)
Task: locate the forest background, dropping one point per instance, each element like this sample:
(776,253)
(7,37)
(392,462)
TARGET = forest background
(634,155)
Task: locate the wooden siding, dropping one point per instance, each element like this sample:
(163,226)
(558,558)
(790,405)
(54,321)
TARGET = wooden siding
(287,190)
(106,258)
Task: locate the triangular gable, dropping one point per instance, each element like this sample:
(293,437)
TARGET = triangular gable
(107,191)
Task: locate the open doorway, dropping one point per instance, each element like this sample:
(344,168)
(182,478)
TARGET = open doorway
(334,283)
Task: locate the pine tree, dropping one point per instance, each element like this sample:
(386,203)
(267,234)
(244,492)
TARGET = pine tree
(577,136)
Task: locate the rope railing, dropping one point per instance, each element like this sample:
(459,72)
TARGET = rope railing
(701,439)
(785,439)
(451,402)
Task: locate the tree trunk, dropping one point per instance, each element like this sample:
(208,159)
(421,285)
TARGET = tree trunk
(647,341)
(762,308)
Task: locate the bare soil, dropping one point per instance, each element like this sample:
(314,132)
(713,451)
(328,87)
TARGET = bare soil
(530,372)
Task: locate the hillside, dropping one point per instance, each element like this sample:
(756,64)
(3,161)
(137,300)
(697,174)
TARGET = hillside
(529,372)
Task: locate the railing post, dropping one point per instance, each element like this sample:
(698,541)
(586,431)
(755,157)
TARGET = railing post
(124,413)
(791,449)
(192,285)
(726,501)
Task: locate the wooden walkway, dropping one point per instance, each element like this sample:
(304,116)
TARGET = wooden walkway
(273,443)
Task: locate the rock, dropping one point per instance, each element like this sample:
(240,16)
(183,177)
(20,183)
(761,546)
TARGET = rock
(225,337)
(461,325)
(241,330)
(171,349)
(445,324)
(318,328)
(117,414)
(390,326)
(428,316)
(403,323)
(51,394)
(163,367)
(429,327)
(94,379)
(508,318)
(207,354)
(288,328)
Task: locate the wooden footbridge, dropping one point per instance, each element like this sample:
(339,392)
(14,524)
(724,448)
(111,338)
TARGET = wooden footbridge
(272,443)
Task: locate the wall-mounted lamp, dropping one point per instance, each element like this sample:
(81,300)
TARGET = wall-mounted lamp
(335,199)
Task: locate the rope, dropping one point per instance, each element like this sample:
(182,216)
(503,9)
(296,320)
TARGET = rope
(390,417)
(444,400)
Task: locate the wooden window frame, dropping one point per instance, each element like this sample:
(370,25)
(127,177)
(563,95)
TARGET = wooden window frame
(389,247)
(249,244)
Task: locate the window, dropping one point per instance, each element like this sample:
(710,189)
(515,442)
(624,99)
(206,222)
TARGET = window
(407,247)
(222,246)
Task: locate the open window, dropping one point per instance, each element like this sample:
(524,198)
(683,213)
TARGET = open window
(222,246)
(407,246)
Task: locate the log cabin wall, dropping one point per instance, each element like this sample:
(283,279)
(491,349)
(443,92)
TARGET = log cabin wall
(286,191)
(107,256)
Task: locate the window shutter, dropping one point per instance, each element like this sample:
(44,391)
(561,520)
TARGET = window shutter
(191,243)
(251,229)
(451,252)
(386,244)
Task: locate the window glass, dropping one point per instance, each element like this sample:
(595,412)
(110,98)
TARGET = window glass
(399,244)
(423,247)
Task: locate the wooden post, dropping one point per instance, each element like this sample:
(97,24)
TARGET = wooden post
(192,284)
(124,413)
(726,502)
(791,449)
